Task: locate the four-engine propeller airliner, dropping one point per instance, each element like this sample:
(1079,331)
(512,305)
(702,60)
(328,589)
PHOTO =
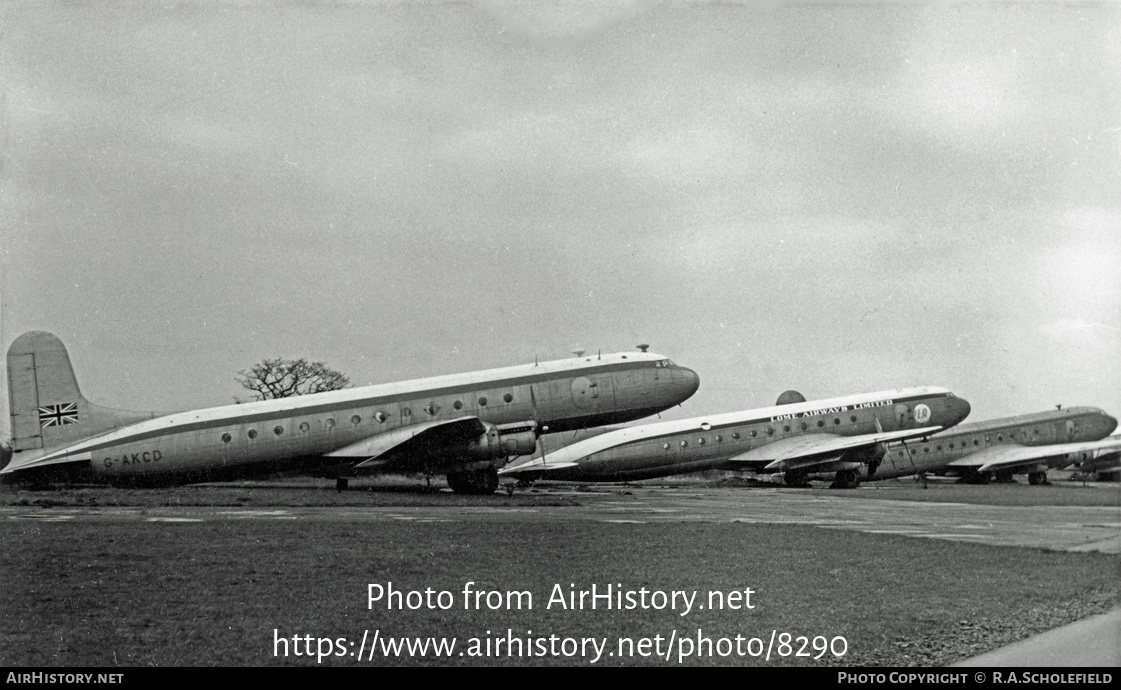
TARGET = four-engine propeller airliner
(841,435)
(999,448)
(462,425)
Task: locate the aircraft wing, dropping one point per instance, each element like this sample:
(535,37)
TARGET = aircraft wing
(402,442)
(548,456)
(561,451)
(536,465)
(1010,457)
(809,450)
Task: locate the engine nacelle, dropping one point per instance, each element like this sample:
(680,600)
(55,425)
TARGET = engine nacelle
(503,441)
(863,460)
(872,454)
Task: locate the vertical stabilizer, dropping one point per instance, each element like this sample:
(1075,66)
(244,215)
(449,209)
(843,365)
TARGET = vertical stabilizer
(46,406)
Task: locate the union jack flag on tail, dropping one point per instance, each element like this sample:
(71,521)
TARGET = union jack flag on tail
(57,415)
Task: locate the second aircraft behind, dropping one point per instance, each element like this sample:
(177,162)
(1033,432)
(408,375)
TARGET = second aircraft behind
(845,435)
(980,452)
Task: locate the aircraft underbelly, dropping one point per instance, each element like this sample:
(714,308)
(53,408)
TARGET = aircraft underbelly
(644,461)
(202,453)
(628,471)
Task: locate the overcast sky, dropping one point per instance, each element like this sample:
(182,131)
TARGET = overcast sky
(830,198)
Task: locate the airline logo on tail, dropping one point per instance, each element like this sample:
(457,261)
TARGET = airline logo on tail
(57,415)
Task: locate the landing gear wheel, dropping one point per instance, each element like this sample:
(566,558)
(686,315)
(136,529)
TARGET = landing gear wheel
(485,482)
(341,483)
(846,479)
(1037,478)
(796,478)
(475,482)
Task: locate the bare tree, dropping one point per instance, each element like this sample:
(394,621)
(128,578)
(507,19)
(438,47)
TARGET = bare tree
(283,378)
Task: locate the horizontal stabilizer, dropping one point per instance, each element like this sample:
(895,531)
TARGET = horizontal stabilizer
(45,460)
(1012,456)
(808,450)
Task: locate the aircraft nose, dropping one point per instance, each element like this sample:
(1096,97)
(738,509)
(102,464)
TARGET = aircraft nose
(960,408)
(1110,423)
(690,381)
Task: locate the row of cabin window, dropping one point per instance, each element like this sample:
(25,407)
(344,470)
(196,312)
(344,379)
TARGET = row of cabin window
(753,433)
(431,409)
(977,442)
(786,428)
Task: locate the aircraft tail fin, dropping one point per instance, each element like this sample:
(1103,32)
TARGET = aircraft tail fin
(47,408)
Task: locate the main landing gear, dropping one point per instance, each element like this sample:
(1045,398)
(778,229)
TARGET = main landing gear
(1003,477)
(474,482)
(1037,478)
(846,479)
(797,478)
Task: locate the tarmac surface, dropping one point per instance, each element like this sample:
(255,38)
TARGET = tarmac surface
(1065,528)
(1094,641)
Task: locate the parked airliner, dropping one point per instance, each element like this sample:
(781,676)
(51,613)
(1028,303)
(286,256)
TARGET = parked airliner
(842,435)
(998,448)
(462,425)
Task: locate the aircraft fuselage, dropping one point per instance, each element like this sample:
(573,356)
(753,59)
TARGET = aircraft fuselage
(272,435)
(704,443)
(933,454)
